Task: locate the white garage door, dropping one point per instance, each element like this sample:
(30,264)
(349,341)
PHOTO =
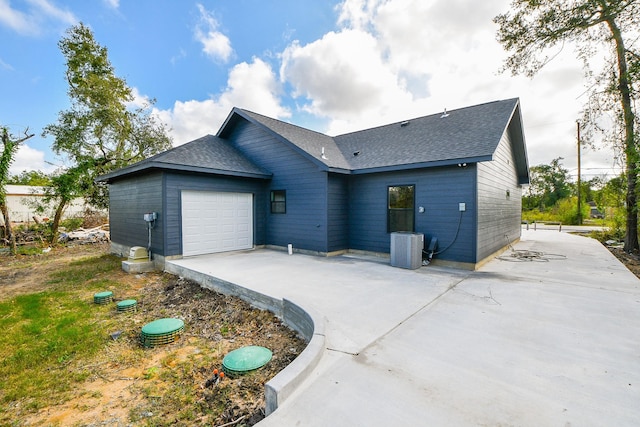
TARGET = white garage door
(216,222)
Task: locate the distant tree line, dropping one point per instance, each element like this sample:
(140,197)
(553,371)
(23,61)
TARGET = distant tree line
(552,195)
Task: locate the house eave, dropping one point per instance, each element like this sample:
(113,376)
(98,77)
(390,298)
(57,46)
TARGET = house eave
(339,170)
(422,165)
(178,168)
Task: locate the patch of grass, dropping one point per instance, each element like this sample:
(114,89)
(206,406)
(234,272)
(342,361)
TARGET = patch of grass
(28,250)
(41,334)
(46,332)
(71,223)
(86,271)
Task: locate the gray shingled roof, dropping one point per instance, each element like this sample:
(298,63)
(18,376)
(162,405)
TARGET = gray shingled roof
(208,154)
(466,134)
(307,142)
(470,134)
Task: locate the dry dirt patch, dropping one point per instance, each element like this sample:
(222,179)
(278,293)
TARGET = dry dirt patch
(631,261)
(29,273)
(132,385)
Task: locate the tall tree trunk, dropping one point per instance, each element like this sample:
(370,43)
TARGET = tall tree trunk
(56,221)
(630,149)
(8,229)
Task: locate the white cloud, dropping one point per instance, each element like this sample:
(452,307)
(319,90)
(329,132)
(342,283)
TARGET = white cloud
(14,19)
(250,85)
(114,4)
(397,59)
(189,120)
(178,57)
(28,159)
(41,14)
(356,14)
(214,44)
(5,66)
(254,86)
(343,76)
(51,11)
(139,100)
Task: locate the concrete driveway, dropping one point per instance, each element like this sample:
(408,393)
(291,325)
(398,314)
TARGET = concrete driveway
(548,337)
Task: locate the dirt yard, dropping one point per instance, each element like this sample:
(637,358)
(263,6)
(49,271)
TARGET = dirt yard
(131,385)
(631,261)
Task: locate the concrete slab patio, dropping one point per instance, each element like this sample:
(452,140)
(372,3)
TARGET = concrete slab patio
(550,336)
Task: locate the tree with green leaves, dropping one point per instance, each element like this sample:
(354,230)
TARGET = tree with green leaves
(10,147)
(101,131)
(533,27)
(35,178)
(548,185)
(62,191)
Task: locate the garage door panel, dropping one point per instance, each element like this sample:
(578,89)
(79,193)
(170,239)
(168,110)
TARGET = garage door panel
(216,222)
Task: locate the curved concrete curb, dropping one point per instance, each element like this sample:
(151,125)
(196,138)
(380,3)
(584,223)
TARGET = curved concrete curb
(304,321)
(280,387)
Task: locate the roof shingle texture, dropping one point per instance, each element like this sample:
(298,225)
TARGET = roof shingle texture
(310,142)
(472,132)
(208,152)
(466,133)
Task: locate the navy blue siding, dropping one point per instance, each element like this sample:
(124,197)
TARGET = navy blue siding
(338,213)
(129,200)
(499,201)
(305,223)
(438,190)
(175,183)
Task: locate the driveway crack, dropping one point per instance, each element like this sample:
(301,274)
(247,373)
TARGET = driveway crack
(451,287)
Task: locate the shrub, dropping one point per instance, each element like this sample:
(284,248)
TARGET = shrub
(567,210)
(536,215)
(71,223)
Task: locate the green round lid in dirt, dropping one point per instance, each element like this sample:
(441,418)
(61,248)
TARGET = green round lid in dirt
(102,297)
(161,331)
(162,327)
(247,358)
(103,294)
(126,305)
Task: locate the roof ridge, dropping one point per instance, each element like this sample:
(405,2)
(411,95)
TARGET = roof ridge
(286,123)
(333,157)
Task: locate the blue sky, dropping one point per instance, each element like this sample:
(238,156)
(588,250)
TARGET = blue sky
(333,66)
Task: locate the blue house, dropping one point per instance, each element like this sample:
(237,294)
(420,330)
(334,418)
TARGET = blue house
(259,182)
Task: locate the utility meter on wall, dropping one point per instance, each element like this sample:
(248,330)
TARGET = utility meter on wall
(151,216)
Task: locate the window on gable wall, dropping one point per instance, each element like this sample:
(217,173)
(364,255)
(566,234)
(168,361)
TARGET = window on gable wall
(401,213)
(278,201)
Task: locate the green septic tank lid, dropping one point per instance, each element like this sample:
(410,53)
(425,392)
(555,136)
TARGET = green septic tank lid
(126,303)
(102,297)
(247,358)
(105,294)
(162,327)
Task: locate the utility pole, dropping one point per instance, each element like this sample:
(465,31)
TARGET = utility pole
(579,198)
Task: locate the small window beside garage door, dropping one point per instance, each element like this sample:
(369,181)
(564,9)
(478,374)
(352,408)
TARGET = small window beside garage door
(216,222)
(278,201)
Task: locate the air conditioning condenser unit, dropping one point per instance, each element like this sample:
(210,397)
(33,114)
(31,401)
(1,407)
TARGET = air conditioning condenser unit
(406,250)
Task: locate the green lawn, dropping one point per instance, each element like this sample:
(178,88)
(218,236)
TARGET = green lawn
(43,333)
